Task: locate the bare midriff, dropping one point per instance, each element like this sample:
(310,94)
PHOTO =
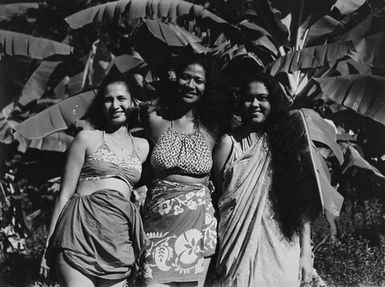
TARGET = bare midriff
(88,187)
(181,178)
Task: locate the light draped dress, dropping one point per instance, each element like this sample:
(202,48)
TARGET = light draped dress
(252,249)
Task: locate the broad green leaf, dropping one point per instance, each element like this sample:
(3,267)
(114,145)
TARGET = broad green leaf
(313,161)
(125,63)
(322,132)
(58,141)
(322,27)
(37,83)
(36,48)
(311,57)
(349,66)
(57,117)
(370,50)
(168,11)
(7,11)
(370,25)
(364,94)
(348,6)
(173,35)
(354,159)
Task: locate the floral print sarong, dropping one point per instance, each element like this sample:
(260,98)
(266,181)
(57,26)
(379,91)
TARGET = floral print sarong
(179,220)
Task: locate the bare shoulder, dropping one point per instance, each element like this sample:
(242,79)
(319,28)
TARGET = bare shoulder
(142,147)
(88,139)
(225,141)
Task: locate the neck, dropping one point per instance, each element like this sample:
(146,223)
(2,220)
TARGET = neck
(184,112)
(120,130)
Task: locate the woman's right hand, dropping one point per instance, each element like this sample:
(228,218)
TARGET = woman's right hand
(44,268)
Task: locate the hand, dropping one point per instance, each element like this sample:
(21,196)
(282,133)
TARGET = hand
(305,268)
(44,268)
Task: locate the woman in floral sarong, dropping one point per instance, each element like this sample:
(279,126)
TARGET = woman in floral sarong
(267,197)
(179,216)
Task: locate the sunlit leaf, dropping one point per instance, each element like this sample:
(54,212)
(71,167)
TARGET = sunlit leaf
(7,11)
(348,6)
(37,83)
(364,94)
(322,132)
(169,11)
(58,142)
(173,35)
(36,48)
(57,117)
(311,57)
(354,159)
(315,164)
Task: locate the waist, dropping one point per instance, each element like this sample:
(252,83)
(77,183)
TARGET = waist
(181,178)
(90,186)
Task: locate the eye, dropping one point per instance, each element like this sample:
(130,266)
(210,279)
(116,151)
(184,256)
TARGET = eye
(199,81)
(262,98)
(122,98)
(185,77)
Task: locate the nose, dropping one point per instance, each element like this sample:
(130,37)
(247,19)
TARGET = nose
(190,83)
(255,102)
(115,104)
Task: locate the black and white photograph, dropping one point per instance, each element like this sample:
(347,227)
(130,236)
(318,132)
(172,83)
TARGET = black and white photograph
(192,143)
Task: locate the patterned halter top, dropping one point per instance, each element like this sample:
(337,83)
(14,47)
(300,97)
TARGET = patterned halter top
(182,153)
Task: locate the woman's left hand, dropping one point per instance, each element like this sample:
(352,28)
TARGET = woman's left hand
(305,268)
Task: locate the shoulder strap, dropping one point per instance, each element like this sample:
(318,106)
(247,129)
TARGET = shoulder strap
(103,137)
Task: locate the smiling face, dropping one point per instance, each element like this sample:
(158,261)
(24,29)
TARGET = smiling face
(192,83)
(256,105)
(117,100)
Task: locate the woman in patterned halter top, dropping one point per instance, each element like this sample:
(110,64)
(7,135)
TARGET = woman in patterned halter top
(179,216)
(96,234)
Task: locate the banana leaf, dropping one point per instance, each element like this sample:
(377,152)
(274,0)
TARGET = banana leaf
(370,25)
(311,57)
(313,161)
(56,118)
(15,43)
(37,83)
(348,6)
(322,27)
(354,159)
(322,132)
(58,141)
(125,63)
(168,11)
(7,11)
(370,50)
(173,35)
(363,94)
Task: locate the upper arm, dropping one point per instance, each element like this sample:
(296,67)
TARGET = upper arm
(75,161)
(220,156)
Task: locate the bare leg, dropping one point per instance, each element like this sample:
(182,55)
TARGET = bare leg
(70,277)
(201,281)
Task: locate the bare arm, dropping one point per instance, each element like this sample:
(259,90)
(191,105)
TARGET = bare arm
(220,157)
(306,260)
(75,160)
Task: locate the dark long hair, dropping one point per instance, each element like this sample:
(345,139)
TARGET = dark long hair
(294,191)
(214,109)
(95,111)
